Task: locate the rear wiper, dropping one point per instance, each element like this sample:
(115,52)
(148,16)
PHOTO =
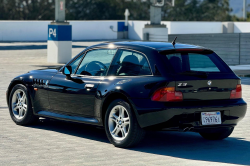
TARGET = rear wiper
(195,73)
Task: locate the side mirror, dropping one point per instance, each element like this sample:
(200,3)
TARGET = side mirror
(67,70)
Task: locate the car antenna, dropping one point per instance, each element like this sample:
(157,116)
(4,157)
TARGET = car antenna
(173,42)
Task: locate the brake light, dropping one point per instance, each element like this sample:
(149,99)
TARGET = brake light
(236,93)
(167,94)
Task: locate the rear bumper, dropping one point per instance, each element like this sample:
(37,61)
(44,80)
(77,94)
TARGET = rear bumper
(190,116)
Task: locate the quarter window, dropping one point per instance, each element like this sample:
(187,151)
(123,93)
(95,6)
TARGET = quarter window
(129,63)
(96,62)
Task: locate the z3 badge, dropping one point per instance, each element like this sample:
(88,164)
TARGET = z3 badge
(182,84)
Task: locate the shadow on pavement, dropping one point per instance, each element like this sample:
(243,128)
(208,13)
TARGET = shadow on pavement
(31,47)
(193,147)
(175,144)
(75,129)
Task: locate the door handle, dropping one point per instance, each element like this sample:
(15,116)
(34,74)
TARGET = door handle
(89,86)
(75,79)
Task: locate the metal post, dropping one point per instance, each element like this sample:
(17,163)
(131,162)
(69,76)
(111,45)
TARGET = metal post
(239,47)
(173,2)
(155,15)
(60,10)
(124,31)
(126,16)
(244,9)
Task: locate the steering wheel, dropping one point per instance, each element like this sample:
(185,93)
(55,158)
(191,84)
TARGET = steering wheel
(97,63)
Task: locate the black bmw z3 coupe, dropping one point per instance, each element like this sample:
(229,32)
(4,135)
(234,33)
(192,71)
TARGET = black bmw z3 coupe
(130,87)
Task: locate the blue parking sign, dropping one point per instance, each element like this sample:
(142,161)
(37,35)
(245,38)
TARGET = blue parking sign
(60,32)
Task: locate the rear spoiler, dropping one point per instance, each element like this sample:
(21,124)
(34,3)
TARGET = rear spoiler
(189,50)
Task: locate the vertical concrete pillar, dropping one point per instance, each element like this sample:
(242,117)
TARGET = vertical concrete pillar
(227,27)
(155,15)
(59,43)
(59,10)
(155,31)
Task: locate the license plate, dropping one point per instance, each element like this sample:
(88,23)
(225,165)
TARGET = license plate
(210,118)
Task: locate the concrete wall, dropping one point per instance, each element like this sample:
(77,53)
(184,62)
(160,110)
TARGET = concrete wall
(135,29)
(187,27)
(241,27)
(180,27)
(37,30)
(245,48)
(190,27)
(93,30)
(234,49)
(23,30)
(99,30)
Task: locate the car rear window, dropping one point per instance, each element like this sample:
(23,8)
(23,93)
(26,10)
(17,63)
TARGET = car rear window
(185,62)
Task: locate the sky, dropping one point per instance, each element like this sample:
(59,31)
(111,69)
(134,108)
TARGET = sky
(237,6)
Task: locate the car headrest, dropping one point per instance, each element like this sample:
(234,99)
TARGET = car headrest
(131,59)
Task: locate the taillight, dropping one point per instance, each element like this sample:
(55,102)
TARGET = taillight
(167,94)
(236,93)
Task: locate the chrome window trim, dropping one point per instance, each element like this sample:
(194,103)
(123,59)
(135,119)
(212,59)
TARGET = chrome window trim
(117,49)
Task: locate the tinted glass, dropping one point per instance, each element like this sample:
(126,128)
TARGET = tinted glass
(182,62)
(96,62)
(202,63)
(129,63)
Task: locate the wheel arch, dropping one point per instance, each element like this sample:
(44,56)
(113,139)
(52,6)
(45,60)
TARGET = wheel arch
(11,86)
(111,97)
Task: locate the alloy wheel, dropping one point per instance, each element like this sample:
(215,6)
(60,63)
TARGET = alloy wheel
(19,104)
(119,122)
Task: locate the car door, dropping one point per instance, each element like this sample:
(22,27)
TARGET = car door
(76,96)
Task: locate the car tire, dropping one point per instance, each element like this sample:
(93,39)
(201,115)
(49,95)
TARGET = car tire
(122,129)
(19,99)
(218,135)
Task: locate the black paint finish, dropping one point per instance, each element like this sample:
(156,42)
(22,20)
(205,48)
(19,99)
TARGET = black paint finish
(72,98)
(62,98)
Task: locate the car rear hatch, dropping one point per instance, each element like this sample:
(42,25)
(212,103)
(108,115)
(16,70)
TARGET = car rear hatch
(201,74)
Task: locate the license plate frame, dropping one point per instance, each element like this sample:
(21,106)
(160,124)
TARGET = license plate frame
(211,118)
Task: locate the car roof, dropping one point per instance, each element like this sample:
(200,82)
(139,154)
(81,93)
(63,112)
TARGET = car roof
(159,46)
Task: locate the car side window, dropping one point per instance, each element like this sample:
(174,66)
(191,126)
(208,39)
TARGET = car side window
(96,62)
(75,63)
(129,63)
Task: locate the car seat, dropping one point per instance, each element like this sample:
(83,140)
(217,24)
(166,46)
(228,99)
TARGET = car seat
(129,66)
